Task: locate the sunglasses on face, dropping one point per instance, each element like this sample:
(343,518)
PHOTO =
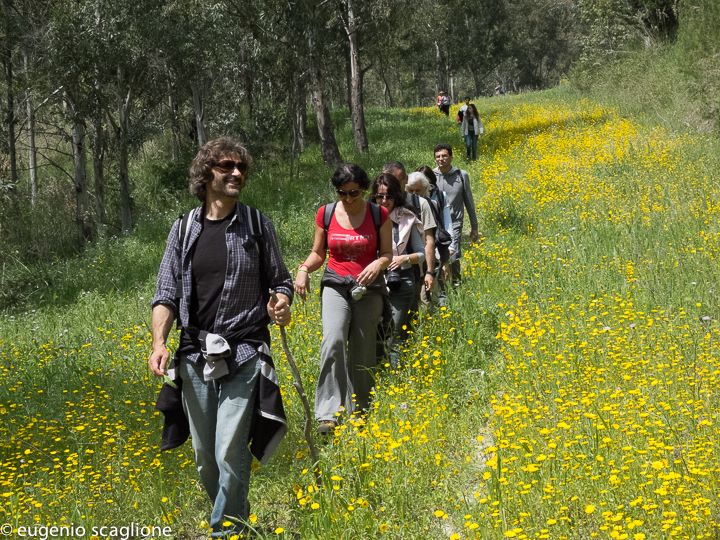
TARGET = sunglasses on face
(228,165)
(352,193)
(383,197)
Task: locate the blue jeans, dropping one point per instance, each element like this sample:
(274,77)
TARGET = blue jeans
(471,146)
(220,413)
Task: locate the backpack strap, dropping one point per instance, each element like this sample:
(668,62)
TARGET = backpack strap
(185,222)
(184,227)
(253,218)
(328,211)
(375,211)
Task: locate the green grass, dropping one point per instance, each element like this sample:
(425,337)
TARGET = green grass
(573,372)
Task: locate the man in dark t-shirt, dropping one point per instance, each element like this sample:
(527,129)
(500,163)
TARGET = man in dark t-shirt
(214,279)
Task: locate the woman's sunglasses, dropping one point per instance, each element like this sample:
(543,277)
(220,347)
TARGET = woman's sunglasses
(352,193)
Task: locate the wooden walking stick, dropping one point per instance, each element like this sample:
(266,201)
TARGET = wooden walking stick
(297,383)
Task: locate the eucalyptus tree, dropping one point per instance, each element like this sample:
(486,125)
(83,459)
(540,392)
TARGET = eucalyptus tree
(9,44)
(300,35)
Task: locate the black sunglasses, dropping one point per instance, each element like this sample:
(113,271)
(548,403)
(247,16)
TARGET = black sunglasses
(352,193)
(228,166)
(383,197)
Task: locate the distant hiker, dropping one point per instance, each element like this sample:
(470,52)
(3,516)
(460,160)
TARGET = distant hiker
(421,207)
(471,128)
(408,250)
(456,184)
(357,236)
(214,277)
(461,110)
(443,103)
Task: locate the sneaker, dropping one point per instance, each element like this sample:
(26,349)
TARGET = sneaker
(326,426)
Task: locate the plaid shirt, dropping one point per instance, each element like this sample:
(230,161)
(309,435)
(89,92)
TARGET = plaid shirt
(242,299)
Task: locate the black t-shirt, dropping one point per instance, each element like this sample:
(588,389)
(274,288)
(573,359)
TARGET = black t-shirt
(209,261)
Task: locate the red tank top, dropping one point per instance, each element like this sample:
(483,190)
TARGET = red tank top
(351,250)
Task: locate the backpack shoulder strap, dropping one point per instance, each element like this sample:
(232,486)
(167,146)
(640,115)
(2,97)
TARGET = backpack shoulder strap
(375,211)
(328,211)
(255,221)
(183,233)
(184,228)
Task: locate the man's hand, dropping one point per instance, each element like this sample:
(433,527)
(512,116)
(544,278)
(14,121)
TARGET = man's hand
(474,236)
(162,320)
(158,360)
(278,308)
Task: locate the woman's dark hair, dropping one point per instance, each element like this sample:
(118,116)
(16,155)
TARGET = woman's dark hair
(427,171)
(393,188)
(474,110)
(349,172)
(208,156)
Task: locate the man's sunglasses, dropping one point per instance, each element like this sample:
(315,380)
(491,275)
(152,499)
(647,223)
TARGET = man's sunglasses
(228,165)
(383,197)
(352,193)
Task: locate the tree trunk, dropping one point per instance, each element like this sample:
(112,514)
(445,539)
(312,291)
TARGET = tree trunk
(123,136)
(386,89)
(32,147)
(356,82)
(199,111)
(98,156)
(440,80)
(299,116)
(10,119)
(328,144)
(478,82)
(80,175)
(174,125)
(248,83)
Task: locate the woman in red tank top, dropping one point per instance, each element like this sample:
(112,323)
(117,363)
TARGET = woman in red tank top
(352,291)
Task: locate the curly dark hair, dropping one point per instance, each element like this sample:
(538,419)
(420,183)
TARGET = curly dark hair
(208,156)
(393,188)
(349,172)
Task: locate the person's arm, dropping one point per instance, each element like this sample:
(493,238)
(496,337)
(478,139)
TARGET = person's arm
(470,206)
(165,305)
(414,251)
(312,262)
(371,272)
(162,320)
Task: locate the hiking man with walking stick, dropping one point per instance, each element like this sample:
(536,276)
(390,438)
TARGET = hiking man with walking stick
(219,264)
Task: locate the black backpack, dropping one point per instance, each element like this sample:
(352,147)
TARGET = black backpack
(442,235)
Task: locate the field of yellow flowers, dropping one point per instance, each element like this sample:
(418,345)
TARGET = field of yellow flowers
(568,391)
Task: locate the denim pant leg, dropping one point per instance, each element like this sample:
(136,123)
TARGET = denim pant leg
(362,360)
(401,302)
(455,264)
(333,381)
(473,147)
(468,146)
(220,413)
